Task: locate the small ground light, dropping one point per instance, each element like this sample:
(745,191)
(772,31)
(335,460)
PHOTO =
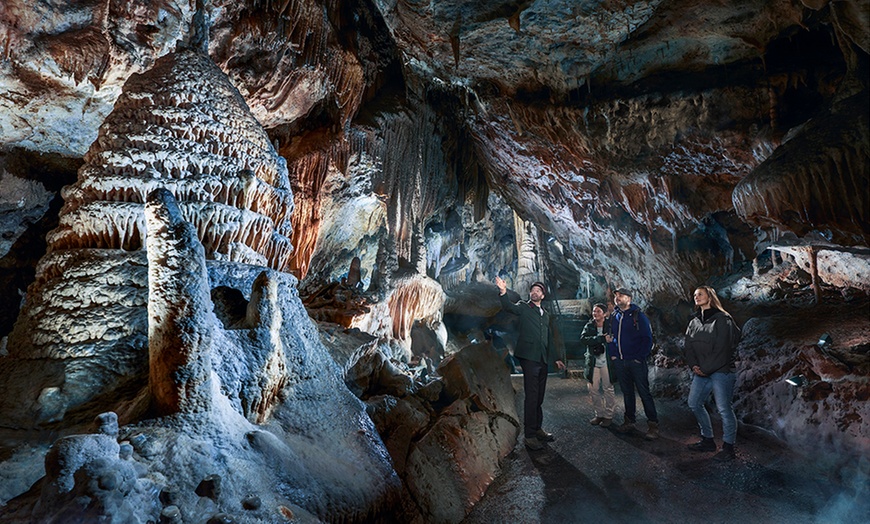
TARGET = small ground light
(796,381)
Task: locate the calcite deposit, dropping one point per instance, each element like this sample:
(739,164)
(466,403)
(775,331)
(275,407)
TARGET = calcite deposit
(381,163)
(182,193)
(218,165)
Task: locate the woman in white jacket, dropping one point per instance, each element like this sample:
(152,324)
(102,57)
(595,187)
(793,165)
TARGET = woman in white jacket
(711,338)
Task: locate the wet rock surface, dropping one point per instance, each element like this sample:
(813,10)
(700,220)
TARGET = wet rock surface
(591,473)
(447,435)
(655,144)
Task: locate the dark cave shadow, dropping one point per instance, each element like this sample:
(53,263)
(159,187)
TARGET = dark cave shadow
(805,493)
(745,474)
(572,497)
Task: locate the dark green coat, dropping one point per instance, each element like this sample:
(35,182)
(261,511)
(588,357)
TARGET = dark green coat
(535,341)
(591,339)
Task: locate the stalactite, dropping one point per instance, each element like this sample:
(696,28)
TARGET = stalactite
(812,253)
(542,238)
(308,171)
(419,249)
(807,181)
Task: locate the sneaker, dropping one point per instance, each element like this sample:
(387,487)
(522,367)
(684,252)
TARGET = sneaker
(534,444)
(597,420)
(705,444)
(652,431)
(605,423)
(543,436)
(727,453)
(627,426)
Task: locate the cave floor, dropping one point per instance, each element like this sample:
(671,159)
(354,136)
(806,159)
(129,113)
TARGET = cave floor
(590,473)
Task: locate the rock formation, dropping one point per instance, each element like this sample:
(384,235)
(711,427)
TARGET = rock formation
(182,194)
(415,150)
(203,147)
(447,437)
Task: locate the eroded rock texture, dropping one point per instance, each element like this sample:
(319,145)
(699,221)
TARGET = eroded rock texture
(447,436)
(205,149)
(183,198)
(603,124)
(815,181)
(431,146)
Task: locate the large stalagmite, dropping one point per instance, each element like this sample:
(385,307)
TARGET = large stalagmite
(179,219)
(205,149)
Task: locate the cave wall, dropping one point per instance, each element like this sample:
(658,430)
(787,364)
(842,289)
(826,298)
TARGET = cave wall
(649,144)
(623,112)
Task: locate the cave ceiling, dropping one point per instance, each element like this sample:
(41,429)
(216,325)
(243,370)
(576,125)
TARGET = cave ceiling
(651,143)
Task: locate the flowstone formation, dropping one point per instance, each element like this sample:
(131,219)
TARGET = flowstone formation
(163,298)
(85,315)
(655,144)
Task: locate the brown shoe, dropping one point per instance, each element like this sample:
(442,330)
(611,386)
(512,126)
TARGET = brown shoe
(597,420)
(605,423)
(627,426)
(543,436)
(534,444)
(652,431)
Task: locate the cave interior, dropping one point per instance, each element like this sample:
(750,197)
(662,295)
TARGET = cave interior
(248,248)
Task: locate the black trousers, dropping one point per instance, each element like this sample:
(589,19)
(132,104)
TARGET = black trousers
(534,386)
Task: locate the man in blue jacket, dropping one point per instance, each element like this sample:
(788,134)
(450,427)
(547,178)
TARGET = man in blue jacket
(629,345)
(534,350)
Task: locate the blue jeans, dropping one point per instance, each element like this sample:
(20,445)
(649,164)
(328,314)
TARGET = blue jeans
(635,374)
(722,387)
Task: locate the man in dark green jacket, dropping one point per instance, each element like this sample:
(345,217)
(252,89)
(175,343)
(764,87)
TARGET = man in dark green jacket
(534,350)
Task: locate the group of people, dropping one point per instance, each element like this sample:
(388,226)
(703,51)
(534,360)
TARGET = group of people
(618,346)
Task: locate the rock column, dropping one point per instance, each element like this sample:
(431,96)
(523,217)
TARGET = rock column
(179,334)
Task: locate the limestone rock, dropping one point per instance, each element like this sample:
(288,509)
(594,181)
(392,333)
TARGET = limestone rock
(447,441)
(183,170)
(451,466)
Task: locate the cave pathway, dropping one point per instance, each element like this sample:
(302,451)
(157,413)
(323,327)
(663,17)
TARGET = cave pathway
(589,473)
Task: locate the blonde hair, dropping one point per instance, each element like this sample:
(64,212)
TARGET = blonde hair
(714,298)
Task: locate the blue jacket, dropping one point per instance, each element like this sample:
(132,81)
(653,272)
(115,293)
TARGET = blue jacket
(631,333)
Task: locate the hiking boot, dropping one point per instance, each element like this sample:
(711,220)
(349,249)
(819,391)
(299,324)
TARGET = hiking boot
(652,431)
(727,453)
(534,444)
(543,436)
(705,444)
(597,420)
(605,423)
(627,426)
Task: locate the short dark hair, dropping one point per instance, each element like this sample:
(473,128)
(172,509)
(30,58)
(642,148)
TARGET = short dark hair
(600,306)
